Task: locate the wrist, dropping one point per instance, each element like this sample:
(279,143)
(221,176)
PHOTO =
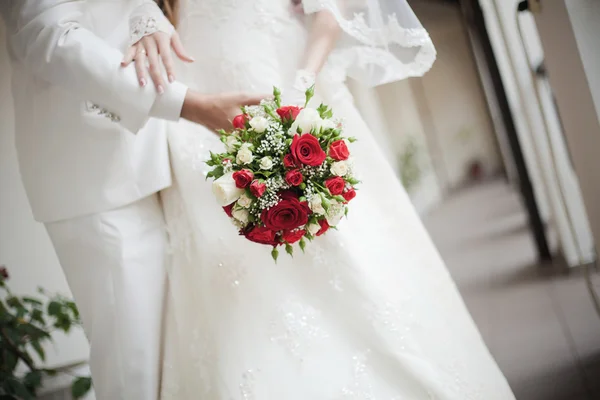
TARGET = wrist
(304,79)
(191,104)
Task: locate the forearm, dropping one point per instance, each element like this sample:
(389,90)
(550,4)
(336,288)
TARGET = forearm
(323,35)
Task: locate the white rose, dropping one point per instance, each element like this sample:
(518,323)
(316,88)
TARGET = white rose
(316,205)
(245,146)
(225,190)
(306,120)
(313,228)
(339,168)
(328,124)
(244,156)
(266,163)
(244,201)
(259,124)
(241,215)
(230,143)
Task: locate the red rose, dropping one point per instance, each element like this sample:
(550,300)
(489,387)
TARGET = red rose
(262,235)
(239,122)
(228,209)
(335,185)
(307,150)
(294,177)
(324,227)
(243,178)
(288,214)
(339,151)
(4,271)
(292,237)
(289,112)
(349,194)
(289,161)
(258,188)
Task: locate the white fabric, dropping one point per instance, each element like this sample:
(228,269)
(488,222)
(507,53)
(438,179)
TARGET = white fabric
(77,108)
(146,20)
(369,312)
(115,265)
(382,41)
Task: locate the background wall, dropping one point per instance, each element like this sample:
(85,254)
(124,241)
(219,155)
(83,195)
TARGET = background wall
(24,245)
(451,96)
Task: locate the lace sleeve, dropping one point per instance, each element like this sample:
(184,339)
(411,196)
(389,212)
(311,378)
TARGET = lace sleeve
(147,19)
(383,40)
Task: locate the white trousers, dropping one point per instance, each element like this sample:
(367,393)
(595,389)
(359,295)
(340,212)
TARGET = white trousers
(115,263)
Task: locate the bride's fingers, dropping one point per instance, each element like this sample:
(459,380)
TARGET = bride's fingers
(154,64)
(129,56)
(140,65)
(165,53)
(179,49)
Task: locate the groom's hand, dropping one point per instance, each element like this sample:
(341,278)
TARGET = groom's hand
(216,111)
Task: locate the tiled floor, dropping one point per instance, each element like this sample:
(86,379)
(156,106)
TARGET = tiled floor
(538,321)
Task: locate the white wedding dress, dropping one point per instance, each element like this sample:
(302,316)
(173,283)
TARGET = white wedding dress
(368,312)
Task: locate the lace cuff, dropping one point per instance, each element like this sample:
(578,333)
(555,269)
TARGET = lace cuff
(146,20)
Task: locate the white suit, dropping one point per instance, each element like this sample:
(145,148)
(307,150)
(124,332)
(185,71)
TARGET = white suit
(93,153)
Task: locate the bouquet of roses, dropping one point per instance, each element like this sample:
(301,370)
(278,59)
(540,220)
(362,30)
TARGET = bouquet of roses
(286,176)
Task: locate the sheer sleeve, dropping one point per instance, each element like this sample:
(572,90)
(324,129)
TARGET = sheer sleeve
(383,40)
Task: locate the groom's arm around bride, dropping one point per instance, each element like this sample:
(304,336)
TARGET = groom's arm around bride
(93,153)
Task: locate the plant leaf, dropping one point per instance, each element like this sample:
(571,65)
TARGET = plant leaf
(33,380)
(80,387)
(39,349)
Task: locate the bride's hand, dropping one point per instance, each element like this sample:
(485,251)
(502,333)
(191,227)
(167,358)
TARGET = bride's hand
(295,95)
(216,111)
(154,48)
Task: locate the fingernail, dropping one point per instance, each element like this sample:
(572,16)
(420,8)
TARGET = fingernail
(192,59)
(171,78)
(160,89)
(142,82)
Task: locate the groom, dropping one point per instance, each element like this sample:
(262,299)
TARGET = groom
(93,154)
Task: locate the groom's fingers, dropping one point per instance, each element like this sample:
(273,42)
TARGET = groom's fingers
(253,100)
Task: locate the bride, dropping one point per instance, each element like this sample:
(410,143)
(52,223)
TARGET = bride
(369,311)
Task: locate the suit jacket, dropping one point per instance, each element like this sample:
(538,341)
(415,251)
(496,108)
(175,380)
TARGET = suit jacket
(88,137)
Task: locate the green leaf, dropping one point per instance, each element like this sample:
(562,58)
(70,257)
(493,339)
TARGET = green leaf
(39,349)
(275,254)
(18,388)
(81,386)
(54,308)
(33,380)
(32,301)
(352,139)
(289,249)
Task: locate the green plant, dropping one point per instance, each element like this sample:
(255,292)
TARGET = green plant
(410,169)
(26,326)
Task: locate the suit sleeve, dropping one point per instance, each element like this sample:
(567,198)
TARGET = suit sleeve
(48,38)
